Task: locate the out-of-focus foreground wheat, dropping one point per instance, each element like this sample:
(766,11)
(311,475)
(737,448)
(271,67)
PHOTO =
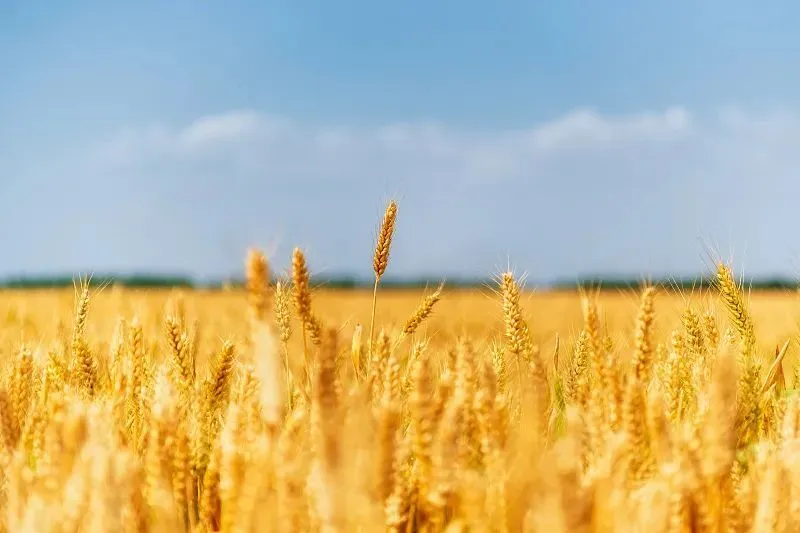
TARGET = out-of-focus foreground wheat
(194,416)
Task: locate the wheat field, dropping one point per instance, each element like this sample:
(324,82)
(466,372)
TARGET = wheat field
(289,408)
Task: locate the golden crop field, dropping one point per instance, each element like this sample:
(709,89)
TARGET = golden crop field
(497,410)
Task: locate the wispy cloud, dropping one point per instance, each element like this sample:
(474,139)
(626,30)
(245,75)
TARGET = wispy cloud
(284,149)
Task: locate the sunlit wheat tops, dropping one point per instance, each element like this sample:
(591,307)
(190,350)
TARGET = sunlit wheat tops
(201,412)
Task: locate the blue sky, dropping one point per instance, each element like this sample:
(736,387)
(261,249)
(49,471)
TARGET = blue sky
(564,138)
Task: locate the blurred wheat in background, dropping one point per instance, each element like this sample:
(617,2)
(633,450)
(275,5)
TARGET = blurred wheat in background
(290,409)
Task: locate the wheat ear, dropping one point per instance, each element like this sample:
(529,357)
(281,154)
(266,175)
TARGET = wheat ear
(380,258)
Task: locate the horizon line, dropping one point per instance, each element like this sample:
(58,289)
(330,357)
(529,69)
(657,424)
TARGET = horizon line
(353,281)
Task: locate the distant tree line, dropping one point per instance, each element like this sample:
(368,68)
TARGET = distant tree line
(134,281)
(156,281)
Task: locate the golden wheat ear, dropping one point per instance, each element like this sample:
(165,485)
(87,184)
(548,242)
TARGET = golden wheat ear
(257,283)
(380,259)
(301,279)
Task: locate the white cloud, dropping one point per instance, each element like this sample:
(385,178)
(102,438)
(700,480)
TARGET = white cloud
(284,149)
(237,126)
